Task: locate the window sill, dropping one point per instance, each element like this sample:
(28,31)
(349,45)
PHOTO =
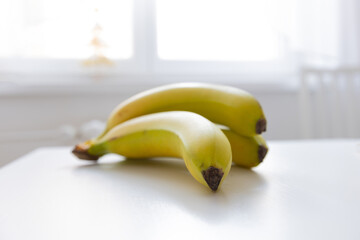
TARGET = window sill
(56,85)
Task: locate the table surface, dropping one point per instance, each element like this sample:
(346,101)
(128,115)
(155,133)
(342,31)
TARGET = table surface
(303,190)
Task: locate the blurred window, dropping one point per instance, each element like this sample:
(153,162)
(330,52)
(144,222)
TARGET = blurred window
(167,36)
(64,29)
(217,30)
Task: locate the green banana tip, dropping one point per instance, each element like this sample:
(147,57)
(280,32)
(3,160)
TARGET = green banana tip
(213,177)
(81,151)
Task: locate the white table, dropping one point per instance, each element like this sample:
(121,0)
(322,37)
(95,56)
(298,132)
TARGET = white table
(303,190)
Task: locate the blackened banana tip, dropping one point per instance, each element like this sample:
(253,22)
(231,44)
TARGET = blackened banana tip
(262,151)
(260,126)
(213,177)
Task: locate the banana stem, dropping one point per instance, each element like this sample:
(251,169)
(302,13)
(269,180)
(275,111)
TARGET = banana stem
(81,151)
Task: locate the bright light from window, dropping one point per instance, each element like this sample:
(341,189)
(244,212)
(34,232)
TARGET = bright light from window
(63,29)
(217,30)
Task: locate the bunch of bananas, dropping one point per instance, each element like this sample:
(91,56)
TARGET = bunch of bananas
(180,120)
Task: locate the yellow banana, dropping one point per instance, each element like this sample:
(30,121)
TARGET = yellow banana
(246,151)
(203,146)
(225,105)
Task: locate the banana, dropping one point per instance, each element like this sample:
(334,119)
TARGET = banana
(224,105)
(203,146)
(247,152)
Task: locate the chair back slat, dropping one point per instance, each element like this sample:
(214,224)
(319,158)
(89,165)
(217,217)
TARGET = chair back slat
(321,107)
(305,106)
(335,105)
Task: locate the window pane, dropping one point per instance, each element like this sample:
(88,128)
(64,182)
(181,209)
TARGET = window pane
(217,30)
(64,29)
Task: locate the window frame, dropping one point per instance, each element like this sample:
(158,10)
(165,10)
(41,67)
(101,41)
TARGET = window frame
(145,62)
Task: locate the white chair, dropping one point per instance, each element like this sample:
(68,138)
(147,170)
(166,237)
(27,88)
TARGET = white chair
(330,103)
